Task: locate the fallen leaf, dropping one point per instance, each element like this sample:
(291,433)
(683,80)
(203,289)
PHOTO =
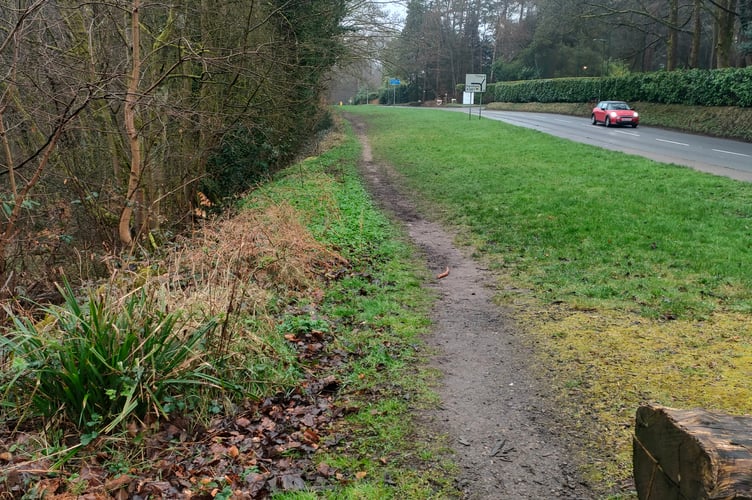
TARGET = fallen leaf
(361,474)
(311,436)
(117,483)
(291,482)
(324,469)
(308,420)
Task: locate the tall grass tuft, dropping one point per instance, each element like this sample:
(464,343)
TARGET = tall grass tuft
(99,363)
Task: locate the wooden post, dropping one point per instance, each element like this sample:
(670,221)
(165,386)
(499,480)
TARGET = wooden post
(692,454)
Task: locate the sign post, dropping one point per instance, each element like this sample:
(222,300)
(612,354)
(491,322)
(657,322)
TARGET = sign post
(475,83)
(394,82)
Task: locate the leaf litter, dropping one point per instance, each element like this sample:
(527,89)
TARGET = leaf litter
(238,264)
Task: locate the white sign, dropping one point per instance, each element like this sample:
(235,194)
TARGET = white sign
(475,83)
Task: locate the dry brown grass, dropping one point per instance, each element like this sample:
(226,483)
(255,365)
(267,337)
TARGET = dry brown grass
(270,248)
(232,267)
(261,250)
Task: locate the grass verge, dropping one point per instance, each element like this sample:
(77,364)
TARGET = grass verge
(630,276)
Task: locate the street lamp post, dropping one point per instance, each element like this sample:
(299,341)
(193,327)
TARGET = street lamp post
(423,76)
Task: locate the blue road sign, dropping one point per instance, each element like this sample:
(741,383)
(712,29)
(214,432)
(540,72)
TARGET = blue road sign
(394,81)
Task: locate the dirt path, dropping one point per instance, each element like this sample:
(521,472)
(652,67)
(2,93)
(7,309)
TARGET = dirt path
(502,428)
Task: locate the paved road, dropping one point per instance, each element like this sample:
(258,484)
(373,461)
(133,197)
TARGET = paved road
(708,154)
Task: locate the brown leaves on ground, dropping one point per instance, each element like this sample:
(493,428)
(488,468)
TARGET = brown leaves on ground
(266,447)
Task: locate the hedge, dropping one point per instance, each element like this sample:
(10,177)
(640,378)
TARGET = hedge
(695,87)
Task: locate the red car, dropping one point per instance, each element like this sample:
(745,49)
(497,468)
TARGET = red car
(614,113)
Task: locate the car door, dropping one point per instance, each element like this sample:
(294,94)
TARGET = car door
(600,111)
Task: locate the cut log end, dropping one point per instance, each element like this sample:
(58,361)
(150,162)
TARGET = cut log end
(682,454)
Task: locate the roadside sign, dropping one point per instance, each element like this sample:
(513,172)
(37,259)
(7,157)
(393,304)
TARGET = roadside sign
(475,82)
(394,83)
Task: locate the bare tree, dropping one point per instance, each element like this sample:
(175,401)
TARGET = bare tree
(111,113)
(694,55)
(41,97)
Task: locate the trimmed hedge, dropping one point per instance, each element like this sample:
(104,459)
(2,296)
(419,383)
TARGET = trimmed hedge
(695,87)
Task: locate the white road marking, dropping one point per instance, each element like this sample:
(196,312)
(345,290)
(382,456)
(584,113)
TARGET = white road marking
(635,134)
(673,142)
(730,152)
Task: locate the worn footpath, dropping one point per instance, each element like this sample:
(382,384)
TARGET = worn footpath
(502,428)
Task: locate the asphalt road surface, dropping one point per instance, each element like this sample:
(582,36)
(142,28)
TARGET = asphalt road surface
(708,154)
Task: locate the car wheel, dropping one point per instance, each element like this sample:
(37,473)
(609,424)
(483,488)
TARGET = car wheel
(634,125)
(608,121)
(593,120)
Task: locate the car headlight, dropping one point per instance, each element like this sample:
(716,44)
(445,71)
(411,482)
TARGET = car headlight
(613,114)
(636,115)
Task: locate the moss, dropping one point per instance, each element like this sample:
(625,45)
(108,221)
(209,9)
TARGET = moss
(605,363)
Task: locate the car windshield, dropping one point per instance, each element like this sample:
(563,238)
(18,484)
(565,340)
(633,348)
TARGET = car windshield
(618,105)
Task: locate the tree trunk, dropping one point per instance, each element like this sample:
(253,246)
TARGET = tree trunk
(129,111)
(697,454)
(726,19)
(694,55)
(673,35)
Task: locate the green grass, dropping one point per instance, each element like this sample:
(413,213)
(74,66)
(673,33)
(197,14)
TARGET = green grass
(579,223)
(629,277)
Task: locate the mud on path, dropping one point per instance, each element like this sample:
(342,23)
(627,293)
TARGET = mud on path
(501,427)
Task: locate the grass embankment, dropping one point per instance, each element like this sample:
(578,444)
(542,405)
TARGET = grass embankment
(308,286)
(631,277)
(720,121)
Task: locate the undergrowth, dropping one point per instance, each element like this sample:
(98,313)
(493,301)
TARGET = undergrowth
(98,363)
